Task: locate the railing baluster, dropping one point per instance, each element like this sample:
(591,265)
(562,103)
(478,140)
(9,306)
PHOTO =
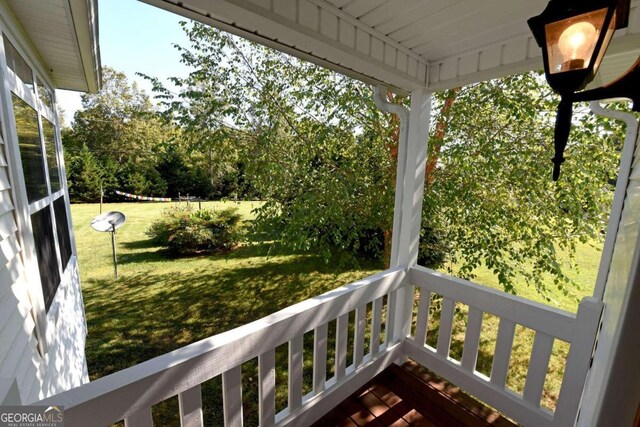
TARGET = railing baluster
(295,372)
(358,340)
(141,418)
(446,325)
(538,365)
(232,397)
(267,388)
(342,330)
(502,354)
(472,339)
(422,320)
(376,325)
(190,402)
(391,318)
(578,361)
(319,358)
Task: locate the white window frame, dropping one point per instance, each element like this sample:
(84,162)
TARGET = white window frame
(45,321)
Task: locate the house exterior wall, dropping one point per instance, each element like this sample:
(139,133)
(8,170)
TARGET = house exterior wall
(41,348)
(612,392)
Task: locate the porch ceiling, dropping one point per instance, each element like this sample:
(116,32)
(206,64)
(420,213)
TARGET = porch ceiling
(406,44)
(65,35)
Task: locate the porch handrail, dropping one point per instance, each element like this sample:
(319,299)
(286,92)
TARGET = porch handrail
(130,393)
(548,324)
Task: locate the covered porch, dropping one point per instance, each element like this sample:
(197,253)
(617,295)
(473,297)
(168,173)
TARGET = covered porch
(371,307)
(415,48)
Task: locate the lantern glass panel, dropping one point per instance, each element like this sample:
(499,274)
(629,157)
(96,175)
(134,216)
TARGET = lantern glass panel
(571,41)
(607,38)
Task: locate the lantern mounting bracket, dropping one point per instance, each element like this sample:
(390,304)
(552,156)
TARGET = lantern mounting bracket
(627,86)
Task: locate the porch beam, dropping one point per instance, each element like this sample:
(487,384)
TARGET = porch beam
(314,31)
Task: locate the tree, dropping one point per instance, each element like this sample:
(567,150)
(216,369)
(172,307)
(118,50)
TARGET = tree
(323,157)
(489,184)
(87,175)
(120,129)
(309,141)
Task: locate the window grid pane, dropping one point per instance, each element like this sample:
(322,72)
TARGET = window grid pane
(49,132)
(30,149)
(44,93)
(62,228)
(46,254)
(17,64)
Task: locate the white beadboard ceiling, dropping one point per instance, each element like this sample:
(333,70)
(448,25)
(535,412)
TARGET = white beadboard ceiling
(65,35)
(406,44)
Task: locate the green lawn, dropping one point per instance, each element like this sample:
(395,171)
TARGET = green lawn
(582,271)
(159,304)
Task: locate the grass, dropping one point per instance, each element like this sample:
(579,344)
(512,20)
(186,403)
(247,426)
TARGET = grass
(582,271)
(160,304)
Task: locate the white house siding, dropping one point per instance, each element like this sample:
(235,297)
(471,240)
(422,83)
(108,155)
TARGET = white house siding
(63,365)
(16,322)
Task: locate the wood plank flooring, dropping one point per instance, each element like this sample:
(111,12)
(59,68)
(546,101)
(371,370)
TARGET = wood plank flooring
(410,395)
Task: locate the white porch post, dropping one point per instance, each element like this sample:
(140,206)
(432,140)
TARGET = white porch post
(412,157)
(612,390)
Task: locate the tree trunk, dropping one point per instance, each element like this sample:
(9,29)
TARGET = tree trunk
(211,166)
(432,161)
(438,137)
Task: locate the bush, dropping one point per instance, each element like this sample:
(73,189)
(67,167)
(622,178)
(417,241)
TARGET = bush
(433,248)
(186,231)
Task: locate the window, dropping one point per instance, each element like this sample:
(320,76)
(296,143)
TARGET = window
(49,135)
(46,252)
(38,148)
(44,93)
(62,227)
(30,149)
(17,64)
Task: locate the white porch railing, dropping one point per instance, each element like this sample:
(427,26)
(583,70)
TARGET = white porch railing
(548,323)
(129,394)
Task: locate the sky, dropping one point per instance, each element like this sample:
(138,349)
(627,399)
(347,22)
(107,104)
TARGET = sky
(134,37)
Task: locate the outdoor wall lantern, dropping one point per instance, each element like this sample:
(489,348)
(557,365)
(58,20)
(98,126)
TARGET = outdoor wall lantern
(574,36)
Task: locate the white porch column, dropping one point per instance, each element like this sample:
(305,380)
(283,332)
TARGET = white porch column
(612,390)
(413,180)
(412,158)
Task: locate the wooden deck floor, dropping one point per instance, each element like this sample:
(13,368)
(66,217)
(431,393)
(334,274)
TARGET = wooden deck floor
(410,395)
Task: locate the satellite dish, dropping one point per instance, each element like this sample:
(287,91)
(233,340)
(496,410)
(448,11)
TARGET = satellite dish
(109,221)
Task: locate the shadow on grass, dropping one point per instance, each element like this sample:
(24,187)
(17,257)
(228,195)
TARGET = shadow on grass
(258,243)
(166,311)
(140,244)
(139,317)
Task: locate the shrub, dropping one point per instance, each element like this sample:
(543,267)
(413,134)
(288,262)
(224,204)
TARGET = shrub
(186,231)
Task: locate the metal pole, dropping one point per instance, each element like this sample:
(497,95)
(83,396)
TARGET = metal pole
(101,196)
(113,246)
